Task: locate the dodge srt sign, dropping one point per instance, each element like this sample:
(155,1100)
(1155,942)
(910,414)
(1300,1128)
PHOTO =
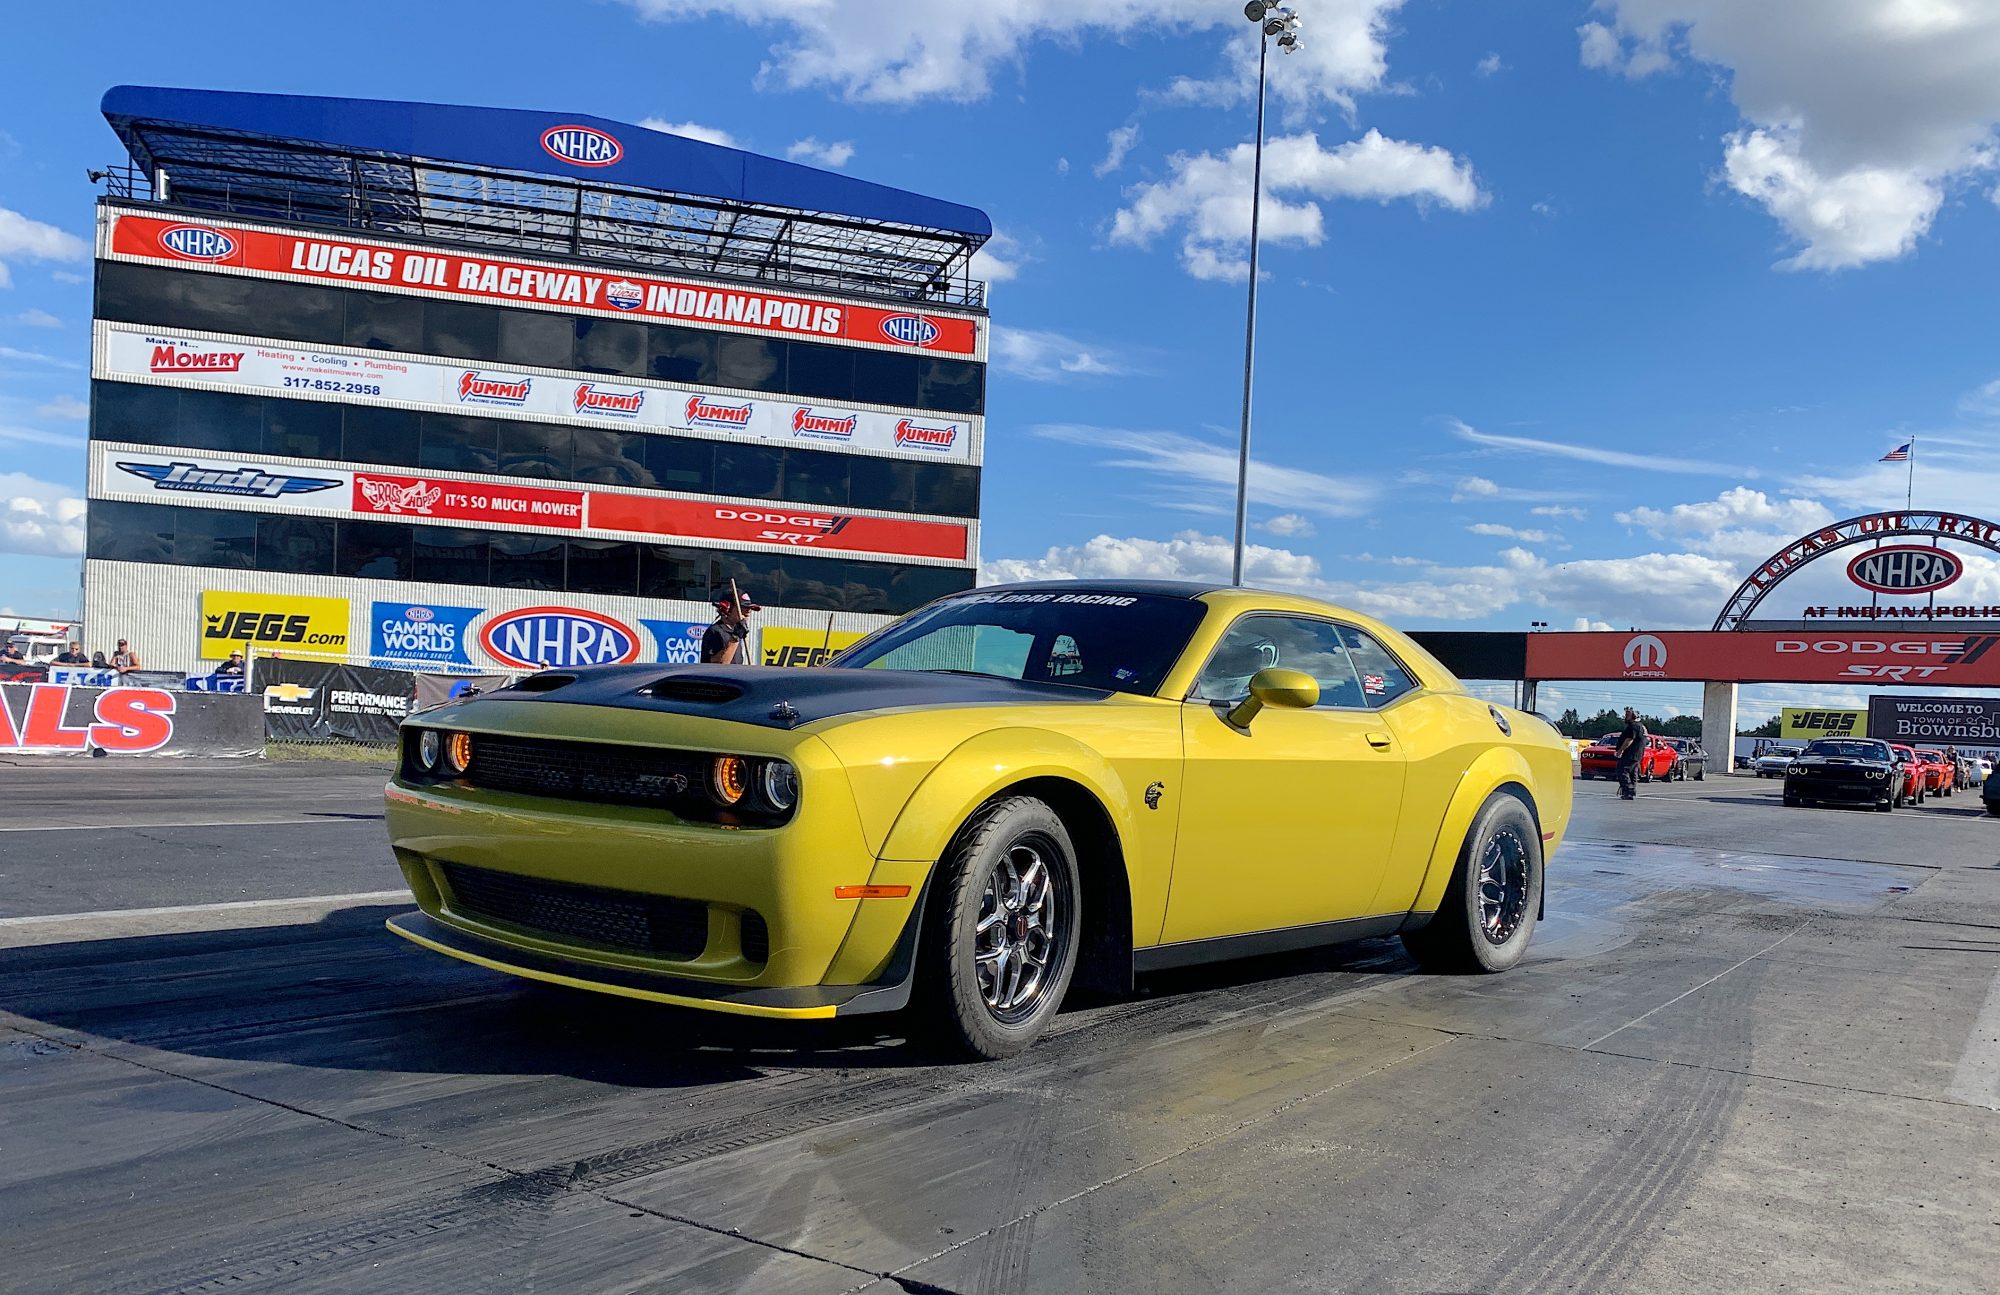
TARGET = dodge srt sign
(1739,656)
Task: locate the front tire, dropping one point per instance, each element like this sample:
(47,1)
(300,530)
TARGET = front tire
(1489,908)
(1000,943)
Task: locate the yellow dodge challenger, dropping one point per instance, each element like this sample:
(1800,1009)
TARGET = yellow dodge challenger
(1004,793)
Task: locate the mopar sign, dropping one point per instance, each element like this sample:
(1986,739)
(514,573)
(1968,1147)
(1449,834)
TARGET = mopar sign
(540,637)
(198,243)
(581,146)
(1905,569)
(910,330)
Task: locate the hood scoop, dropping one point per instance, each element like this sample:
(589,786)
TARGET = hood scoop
(713,692)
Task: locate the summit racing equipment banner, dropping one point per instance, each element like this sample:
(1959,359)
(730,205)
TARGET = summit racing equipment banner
(336,375)
(64,720)
(317,701)
(1936,721)
(296,624)
(203,244)
(1740,656)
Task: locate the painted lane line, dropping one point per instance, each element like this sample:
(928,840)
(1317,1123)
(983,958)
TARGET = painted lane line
(1976,1079)
(235,905)
(155,827)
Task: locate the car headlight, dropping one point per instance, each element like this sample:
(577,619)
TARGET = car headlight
(458,753)
(427,748)
(1878,773)
(778,782)
(729,779)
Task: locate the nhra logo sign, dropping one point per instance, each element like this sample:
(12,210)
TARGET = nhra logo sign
(536,638)
(581,146)
(910,330)
(1905,569)
(198,243)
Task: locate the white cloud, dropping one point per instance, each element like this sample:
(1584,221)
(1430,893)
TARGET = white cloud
(65,407)
(37,357)
(692,130)
(903,51)
(1859,115)
(1583,624)
(1594,454)
(38,319)
(1117,144)
(22,239)
(1558,511)
(38,517)
(1344,53)
(35,436)
(1208,197)
(836,154)
(1189,555)
(1513,533)
(1737,508)
(999,259)
(1043,356)
(65,276)
(1290,526)
(1062,166)
(1209,469)
(1490,65)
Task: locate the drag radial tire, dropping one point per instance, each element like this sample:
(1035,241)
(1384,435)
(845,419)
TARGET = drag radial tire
(1489,908)
(1000,938)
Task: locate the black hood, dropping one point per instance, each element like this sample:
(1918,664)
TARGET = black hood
(778,697)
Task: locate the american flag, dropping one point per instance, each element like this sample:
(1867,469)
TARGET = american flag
(1901,454)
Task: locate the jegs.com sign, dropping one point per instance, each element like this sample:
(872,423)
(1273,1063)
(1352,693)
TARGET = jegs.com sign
(1737,656)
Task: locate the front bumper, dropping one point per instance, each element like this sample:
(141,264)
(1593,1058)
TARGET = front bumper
(633,900)
(1857,791)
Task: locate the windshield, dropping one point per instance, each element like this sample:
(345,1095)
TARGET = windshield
(1100,639)
(1853,750)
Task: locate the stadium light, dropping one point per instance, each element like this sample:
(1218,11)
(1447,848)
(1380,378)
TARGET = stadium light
(1273,20)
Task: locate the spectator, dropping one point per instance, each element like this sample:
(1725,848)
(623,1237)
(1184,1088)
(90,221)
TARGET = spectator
(723,643)
(73,655)
(12,654)
(232,668)
(1631,750)
(125,660)
(97,661)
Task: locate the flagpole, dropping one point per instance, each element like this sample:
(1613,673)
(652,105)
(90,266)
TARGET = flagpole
(1910,494)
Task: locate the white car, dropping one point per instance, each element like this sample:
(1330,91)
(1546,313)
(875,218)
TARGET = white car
(1774,764)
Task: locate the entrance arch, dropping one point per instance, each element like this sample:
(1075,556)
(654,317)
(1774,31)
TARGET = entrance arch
(1794,557)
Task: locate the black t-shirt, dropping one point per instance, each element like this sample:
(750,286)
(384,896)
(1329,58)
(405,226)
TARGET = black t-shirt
(1633,740)
(72,658)
(715,640)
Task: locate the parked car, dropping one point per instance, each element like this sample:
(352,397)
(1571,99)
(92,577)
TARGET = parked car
(1939,776)
(1854,770)
(1981,770)
(1989,792)
(1773,763)
(1600,759)
(1911,772)
(1690,761)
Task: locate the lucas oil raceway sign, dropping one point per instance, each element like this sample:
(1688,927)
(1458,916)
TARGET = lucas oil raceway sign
(1739,656)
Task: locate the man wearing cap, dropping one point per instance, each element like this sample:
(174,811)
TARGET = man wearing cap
(125,660)
(725,642)
(232,668)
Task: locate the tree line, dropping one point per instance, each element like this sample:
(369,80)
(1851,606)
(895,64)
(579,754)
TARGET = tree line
(1573,724)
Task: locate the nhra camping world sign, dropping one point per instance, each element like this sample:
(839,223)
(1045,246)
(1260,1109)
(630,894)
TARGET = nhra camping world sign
(1744,656)
(435,271)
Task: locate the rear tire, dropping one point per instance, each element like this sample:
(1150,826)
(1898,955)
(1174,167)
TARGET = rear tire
(1010,895)
(1993,808)
(1489,909)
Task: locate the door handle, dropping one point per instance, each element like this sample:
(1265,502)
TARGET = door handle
(1380,741)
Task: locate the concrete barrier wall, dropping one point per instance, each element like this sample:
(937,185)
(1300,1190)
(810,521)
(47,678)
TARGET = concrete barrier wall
(59,719)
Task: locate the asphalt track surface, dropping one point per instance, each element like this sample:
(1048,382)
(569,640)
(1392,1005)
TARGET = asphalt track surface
(1753,1049)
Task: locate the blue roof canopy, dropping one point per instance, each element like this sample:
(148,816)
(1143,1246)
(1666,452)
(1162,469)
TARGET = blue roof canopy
(511,139)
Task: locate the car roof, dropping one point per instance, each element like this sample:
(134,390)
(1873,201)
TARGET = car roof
(1163,588)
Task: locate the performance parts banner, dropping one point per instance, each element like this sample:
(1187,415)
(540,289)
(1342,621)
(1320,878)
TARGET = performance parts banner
(333,375)
(168,477)
(318,701)
(359,263)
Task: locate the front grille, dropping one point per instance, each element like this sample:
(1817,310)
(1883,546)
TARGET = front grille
(612,775)
(614,919)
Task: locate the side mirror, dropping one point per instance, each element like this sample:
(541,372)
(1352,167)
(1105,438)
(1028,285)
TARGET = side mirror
(1290,689)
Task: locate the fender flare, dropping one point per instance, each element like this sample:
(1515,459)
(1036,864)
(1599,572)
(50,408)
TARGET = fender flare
(986,764)
(1497,768)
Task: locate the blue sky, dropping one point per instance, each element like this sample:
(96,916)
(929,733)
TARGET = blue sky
(1570,312)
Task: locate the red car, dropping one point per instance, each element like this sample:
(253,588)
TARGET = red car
(1600,759)
(1939,775)
(1911,769)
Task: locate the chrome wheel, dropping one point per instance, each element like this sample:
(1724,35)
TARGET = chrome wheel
(1503,886)
(1020,933)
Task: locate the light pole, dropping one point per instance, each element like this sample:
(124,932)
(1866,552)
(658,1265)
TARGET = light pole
(1272,19)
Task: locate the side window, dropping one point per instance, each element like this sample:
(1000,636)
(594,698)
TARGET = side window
(1283,642)
(1383,678)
